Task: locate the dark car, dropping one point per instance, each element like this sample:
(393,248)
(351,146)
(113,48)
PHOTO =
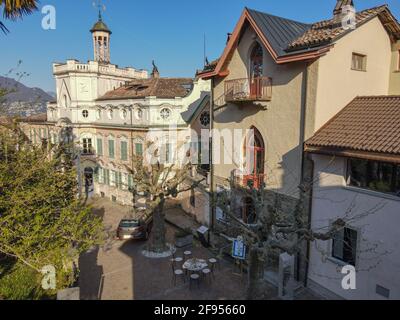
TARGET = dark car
(134,229)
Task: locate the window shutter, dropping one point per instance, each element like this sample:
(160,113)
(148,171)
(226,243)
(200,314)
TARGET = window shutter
(119,174)
(100,147)
(139,149)
(111,148)
(124,150)
(130,181)
(107,177)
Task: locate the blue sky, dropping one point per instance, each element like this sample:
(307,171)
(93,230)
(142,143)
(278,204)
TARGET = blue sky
(169,31)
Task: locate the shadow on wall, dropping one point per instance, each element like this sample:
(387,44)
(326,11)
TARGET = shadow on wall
(90,272)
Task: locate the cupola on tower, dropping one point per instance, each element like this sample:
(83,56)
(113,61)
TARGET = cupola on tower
(101,41)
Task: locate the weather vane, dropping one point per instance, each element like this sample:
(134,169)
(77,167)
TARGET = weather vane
(100,6)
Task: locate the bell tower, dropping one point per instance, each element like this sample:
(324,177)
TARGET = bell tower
(101,40)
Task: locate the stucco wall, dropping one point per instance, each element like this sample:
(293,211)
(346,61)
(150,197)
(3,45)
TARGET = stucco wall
(279,123)
(395,70)
(338,84)
(380,228)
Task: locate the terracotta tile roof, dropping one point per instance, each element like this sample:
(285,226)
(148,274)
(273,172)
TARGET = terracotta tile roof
(326,31)
(41,117)
(367,124)
(153,87)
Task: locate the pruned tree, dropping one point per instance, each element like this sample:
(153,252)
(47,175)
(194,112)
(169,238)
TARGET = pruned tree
(275,229)
(158,180)
(42,221)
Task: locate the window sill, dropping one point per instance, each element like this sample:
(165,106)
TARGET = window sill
(359,70)
(338,262)
(372,193)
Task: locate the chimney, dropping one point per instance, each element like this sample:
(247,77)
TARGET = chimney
(337,12)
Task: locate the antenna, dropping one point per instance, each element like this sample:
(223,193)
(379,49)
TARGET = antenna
(205,49)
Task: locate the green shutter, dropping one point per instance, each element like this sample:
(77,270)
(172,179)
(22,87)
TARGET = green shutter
(119,174)
(111,146)
(130,181)
(107,177)
(124,150)
(99,147)
(139,149)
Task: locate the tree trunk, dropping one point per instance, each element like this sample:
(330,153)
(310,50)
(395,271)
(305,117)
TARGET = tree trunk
(158,242)
(255,275)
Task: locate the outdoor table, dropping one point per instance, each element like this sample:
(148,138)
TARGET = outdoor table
(195,265)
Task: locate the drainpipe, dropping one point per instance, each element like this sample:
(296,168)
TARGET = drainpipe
(303,123)
(212,207)
(310,203)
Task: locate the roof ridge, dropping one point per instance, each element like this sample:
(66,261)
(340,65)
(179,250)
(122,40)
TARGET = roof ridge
(276,16)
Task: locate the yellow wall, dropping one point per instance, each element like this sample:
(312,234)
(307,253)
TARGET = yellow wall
(338,84)
(395,70)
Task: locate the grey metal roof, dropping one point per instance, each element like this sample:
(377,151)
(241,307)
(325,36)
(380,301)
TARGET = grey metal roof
(280,32)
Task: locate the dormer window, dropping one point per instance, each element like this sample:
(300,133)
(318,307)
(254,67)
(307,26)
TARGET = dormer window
(359,62)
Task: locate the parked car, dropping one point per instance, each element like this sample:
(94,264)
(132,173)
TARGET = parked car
(134,229)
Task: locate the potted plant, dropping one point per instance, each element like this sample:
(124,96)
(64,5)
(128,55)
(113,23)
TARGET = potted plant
(183,238)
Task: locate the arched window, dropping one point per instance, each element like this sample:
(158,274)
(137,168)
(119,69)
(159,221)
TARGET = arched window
(256,62)
(254,153)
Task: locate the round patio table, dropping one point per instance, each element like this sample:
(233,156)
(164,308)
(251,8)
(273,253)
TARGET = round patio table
(195,265)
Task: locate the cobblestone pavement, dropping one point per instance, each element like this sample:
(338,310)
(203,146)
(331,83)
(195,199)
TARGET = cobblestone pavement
(121,272)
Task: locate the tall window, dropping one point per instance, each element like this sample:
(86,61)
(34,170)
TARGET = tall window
(374,175)
(113,178)
(124,150)
(256,62)
(87,146)
(168,153)
(111,149)
(344,246)
(99,146)
(359,62)
(139,149)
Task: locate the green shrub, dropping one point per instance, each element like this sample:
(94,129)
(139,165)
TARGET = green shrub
(21,283)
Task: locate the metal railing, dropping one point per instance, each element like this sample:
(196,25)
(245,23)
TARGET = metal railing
(247,89)
(247,180)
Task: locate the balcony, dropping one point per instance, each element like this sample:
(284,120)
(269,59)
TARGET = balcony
(247,90)
(245,181)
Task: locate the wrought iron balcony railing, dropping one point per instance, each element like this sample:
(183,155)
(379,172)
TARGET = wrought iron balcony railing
(242,90)
(254,180)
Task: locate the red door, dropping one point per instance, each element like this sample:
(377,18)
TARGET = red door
(255,154)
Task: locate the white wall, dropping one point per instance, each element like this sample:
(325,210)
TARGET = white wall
(332,200)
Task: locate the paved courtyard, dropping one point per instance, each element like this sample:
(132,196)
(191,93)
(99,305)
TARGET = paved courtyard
(119,271)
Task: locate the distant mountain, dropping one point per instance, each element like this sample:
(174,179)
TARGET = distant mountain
(22,100)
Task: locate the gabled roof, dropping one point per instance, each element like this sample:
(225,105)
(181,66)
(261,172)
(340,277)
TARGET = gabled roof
(280,32)
(167,88)
(368,125)
(328,31)
(288,40)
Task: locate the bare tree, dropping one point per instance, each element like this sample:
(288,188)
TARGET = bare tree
(275,229)
(157,181)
